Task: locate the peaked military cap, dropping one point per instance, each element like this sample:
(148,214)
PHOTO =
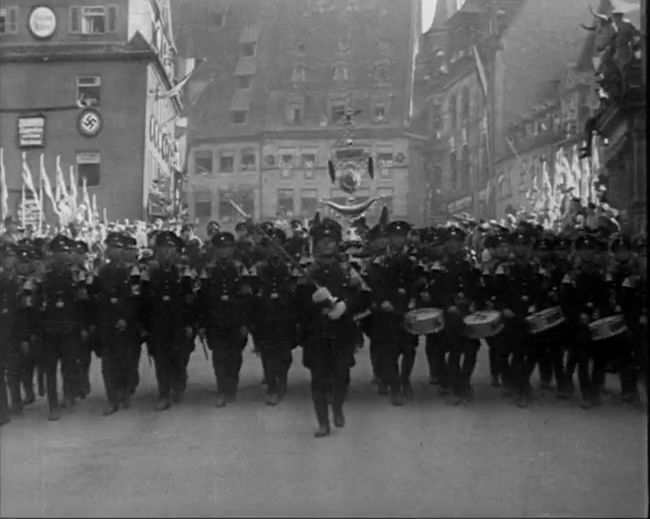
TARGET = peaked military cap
(61,243)
(454,232)
(223,239)
(399,227)
(327,228)
(168,239)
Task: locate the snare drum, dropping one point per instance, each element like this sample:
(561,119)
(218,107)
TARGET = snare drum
(480,325)
(545,320)
(607,327)
(423,321)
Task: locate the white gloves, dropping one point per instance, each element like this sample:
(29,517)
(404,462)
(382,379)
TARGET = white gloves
(337,311)
(321,295)
(386,306)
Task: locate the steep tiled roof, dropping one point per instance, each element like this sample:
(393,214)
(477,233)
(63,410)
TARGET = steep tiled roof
(294,33)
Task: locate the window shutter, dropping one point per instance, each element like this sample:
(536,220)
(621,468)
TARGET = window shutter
(111,22)
(75,19)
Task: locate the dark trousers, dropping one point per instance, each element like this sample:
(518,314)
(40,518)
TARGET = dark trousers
(433,343)
(398,344)
(84,360)
(329,376)
(276,356)
(227,348)
(4,402)
(171,374)
(547,352)
(509,354)
(461,363)
(117,364)
(170,353)
(591,358)
(374,359)
(16,365)
(61,346)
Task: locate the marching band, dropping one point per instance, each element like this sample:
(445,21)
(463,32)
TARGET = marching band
(560,302)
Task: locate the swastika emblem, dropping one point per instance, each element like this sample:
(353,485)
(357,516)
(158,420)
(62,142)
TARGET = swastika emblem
(89,122)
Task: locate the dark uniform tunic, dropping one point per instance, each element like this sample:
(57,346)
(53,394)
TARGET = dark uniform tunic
(273,320)
(170,311)
(328,345)
(62,324)
(223,299)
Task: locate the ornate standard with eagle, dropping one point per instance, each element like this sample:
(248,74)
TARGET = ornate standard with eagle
(347,167)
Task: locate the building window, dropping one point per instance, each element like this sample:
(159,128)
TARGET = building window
(88,167)
(387,195)
(226,162)
(9,20)
(244,81)
(249,49)
(248,162)
(308,160)
(337,111)
(88,90)
(379,112)
(298,74)
(435,119)
(465,105)
(239,116)
(381,72)
(227,212)
(218,19)
(465,165)
(203,162)
(285,202)
(452,113)
(295,114)
(203,204)
(93,19)
(340,72)
(453,170)
(308,201)
(385,158)
(286,160)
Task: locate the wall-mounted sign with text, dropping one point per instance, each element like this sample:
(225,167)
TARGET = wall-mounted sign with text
(31,131)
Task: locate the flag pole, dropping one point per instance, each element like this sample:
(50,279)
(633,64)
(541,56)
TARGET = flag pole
(40,195)
(22,215)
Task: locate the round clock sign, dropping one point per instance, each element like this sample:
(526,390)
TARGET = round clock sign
(42,22)
(89,123)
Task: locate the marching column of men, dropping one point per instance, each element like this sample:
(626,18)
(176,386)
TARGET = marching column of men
(567,304)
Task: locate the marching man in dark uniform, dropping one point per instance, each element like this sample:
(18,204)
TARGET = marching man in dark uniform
(9,342)
(394,294)
(273,314)
(62,325)
(170,319)
(118,326)
(328,330)
(223,320)
(460,286)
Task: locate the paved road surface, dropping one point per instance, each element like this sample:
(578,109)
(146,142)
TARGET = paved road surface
(425,459)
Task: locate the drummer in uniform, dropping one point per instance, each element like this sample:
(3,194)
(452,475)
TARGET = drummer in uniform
(460,291)
(432,295)
(394,294)
(591,302)
(328,331)
(223,315)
